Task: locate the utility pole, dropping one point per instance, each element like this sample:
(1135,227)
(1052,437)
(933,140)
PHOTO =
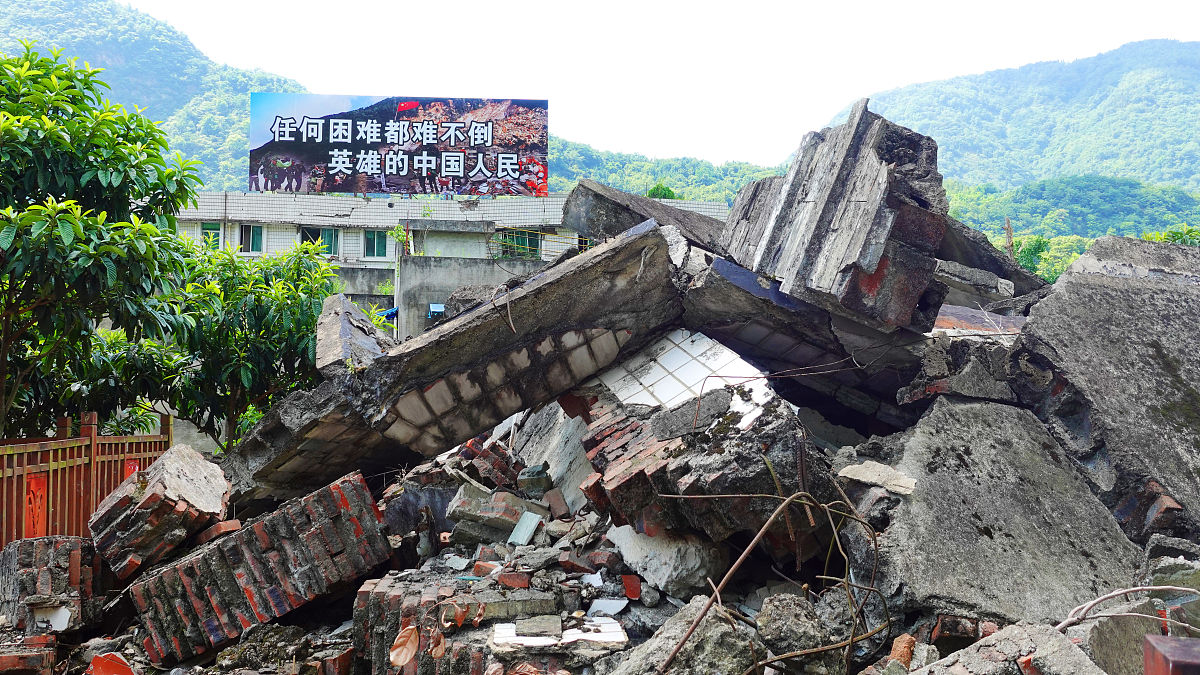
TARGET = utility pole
(1008,242)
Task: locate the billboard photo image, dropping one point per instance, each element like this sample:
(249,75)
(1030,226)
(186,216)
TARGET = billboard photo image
(311,143)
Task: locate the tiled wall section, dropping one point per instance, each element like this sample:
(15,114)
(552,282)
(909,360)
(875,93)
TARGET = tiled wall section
(460,405)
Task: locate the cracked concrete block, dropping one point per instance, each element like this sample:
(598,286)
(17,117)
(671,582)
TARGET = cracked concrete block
(599,212)
(995,499)
(307,549)
(1017,650)
(717,646)
(858,220)
(671,563)
(347,341)
(1110,361)
(153,511)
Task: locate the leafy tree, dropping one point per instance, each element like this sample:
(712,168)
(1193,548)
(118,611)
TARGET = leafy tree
(254,337)
(87,206)
(1029,250)
(660,191)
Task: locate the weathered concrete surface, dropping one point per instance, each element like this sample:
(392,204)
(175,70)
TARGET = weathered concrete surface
(858,219)
(972,367)
(346,338)
(846,368)
(789,623)
(671,563)
(971,287)
(51,584)
(996,500)
(1110,360)
(719,645)
(153,511)
(463,377)
(1017,650)
(307,549)
(597,211)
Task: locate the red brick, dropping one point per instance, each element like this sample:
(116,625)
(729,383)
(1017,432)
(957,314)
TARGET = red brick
(558,505)
(483,568)
(214,531)
(513,579)
(604,558)
(633,586)
(571,563)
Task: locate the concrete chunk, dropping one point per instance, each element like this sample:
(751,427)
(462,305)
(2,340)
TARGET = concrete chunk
(153,511)
(307,549)
(347,341)
(597,211)
(1023,648)
(857,220)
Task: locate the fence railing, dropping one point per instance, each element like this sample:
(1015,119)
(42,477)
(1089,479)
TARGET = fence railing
(513,242)
(52,485)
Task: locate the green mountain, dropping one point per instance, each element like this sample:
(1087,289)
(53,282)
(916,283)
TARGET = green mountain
(1131,113)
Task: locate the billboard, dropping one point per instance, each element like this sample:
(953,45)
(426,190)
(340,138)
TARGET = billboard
(311,143)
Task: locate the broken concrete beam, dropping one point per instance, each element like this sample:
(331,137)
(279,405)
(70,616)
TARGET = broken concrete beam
(858,220)
(52,584)
(971,248)
(599,212)
(816,344)
(307,549)
(447,385)
(971,287)
(347,341)
(946,552)
(153,511)
(1110,360)
(1023,648)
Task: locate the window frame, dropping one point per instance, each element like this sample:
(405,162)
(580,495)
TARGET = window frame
(371,243)
(205,240)
(247,249)
(332,244)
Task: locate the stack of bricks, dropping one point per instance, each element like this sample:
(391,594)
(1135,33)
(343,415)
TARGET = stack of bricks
(385,606)
(308,548)
(153,511)
(490,462)
(45,575)
(627,457)
(35,655)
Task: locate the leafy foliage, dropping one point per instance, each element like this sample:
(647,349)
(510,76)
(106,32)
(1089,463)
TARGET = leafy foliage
(87,205)
(1181,235)
(660,191)
(254,335)
(1088,206)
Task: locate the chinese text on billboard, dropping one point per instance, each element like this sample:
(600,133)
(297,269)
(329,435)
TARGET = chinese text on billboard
(356,144)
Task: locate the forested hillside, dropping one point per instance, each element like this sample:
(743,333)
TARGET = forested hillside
(1131,112)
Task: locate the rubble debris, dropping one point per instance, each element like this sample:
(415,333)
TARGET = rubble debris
(275,648)
(1107,362)
(450,383)
(599,212)
(971,248)
(721,644)
(857,221)
(1017,650)
(946,551)
(306,549)
(551,436)
(971,287)
(34,655)
(51,584)
(153,511)
(789,623)
(752,442)
(670,563)
(972,366)
(347,340)
(874,473)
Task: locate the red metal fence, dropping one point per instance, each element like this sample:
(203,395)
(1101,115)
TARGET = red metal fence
(52,485)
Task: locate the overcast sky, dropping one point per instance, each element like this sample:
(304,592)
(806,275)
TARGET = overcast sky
(736,80)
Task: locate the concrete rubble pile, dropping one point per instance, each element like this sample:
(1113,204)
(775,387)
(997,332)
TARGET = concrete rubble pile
(584,471)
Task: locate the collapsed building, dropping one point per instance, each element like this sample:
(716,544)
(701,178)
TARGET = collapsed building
(839,432)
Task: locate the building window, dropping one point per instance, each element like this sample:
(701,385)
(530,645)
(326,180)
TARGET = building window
(375,245)
(210,234)
(328,237)
(252,239)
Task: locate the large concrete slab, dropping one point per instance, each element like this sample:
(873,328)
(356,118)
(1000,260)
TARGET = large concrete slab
(449,384)
(597,211)
(1110,359)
